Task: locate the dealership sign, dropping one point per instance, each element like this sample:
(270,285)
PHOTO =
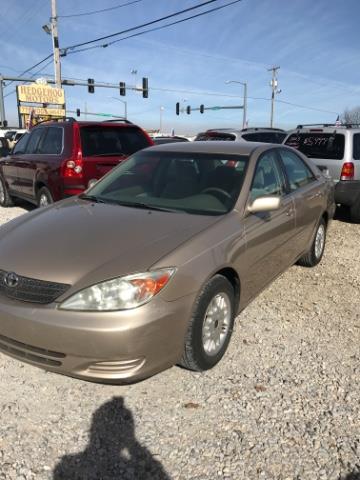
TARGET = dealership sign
(41,94)
(39,102)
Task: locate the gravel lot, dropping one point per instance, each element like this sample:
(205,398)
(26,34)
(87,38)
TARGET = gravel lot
(283,403)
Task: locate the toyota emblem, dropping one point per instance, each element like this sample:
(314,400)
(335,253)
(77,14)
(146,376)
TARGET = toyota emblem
(11,280)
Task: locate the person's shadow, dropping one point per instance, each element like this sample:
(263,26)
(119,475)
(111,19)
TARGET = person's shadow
(113,451)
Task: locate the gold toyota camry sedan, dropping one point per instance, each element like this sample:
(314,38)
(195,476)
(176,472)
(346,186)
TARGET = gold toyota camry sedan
(150,267)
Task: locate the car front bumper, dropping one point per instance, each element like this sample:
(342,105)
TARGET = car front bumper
(106,347)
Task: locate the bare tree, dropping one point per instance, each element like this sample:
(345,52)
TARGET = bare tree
(351,115)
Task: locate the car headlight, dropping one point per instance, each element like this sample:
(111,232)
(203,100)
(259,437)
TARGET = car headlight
(120,293)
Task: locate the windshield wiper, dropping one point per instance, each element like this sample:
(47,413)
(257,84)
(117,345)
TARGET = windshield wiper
(91,198)
(146,206)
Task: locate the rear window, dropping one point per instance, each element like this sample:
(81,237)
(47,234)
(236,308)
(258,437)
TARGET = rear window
(214,136)
(265,137)
(107,141)
(318,145)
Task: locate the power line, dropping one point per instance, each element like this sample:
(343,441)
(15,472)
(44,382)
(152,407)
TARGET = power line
(33,75)
(100,11)
(71,47)
(155,28)
(31,68)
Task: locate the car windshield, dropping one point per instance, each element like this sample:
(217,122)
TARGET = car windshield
(98,141)
(196,183)
(329,146)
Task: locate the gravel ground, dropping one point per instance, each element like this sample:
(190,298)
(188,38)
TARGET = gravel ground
(283,403)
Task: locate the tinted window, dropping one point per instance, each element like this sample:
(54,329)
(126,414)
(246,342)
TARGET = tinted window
(34,139)
(161,140)
(108,141)
(52,142)
(356,149)
(268,178)
(265,137)
(297,172)
(214,136)
(318,145)
(21,144)
(202,184)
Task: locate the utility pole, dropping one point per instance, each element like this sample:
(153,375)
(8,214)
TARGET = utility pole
(274,90)
(2,105)
(55,38)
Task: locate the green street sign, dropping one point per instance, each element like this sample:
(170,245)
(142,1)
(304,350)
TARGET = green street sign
(215,108)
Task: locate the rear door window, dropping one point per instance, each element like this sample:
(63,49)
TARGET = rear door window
(264,137)
(297,172)
(35,136)
(356,146)
(100,141)
(52,142)
(329,146)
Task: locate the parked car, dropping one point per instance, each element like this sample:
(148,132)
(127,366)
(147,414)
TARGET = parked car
(13,136)
(264,135)
(59,159)
(336,150)
(150,267)
(168,139)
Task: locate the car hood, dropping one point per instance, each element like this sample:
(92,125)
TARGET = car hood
(79,242)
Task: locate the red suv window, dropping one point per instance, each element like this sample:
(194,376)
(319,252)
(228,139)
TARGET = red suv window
(98,141)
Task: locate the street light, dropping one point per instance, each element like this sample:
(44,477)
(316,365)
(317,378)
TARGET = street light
(245,99)
(124,102)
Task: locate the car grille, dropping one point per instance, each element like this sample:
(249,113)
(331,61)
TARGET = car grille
(31,289)
(30,353)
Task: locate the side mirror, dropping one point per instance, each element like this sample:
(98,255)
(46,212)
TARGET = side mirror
(264,204)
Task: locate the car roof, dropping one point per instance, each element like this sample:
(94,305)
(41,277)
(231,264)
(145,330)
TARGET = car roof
(217,147)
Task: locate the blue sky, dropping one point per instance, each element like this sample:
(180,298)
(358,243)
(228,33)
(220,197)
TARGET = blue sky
(314,42)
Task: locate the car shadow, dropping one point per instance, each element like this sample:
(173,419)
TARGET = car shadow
(342,214)
(351,476)
(113,451)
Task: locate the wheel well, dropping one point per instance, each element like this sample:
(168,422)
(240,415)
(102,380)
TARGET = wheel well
(325,216)
(231,275)
(39,185)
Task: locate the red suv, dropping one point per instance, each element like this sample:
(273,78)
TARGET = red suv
(59,159)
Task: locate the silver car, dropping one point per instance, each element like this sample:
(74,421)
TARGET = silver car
(254,134)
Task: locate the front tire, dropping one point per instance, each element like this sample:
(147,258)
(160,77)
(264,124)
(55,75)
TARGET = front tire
(44,197)
(316,252)
(5,198)
(210,326)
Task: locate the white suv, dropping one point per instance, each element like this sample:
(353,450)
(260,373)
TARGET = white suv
(336,150)
(263,135)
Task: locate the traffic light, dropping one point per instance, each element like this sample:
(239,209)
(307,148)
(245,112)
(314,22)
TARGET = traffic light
(177,108)
(91,88)
(5,123)
(145,87)
(78,112)
(188,109)
(122,87)
(202,108)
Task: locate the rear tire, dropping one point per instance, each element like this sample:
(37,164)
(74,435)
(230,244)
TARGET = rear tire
(355,211)
(44,197)
(210,326)
(5,198)
(314,255)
